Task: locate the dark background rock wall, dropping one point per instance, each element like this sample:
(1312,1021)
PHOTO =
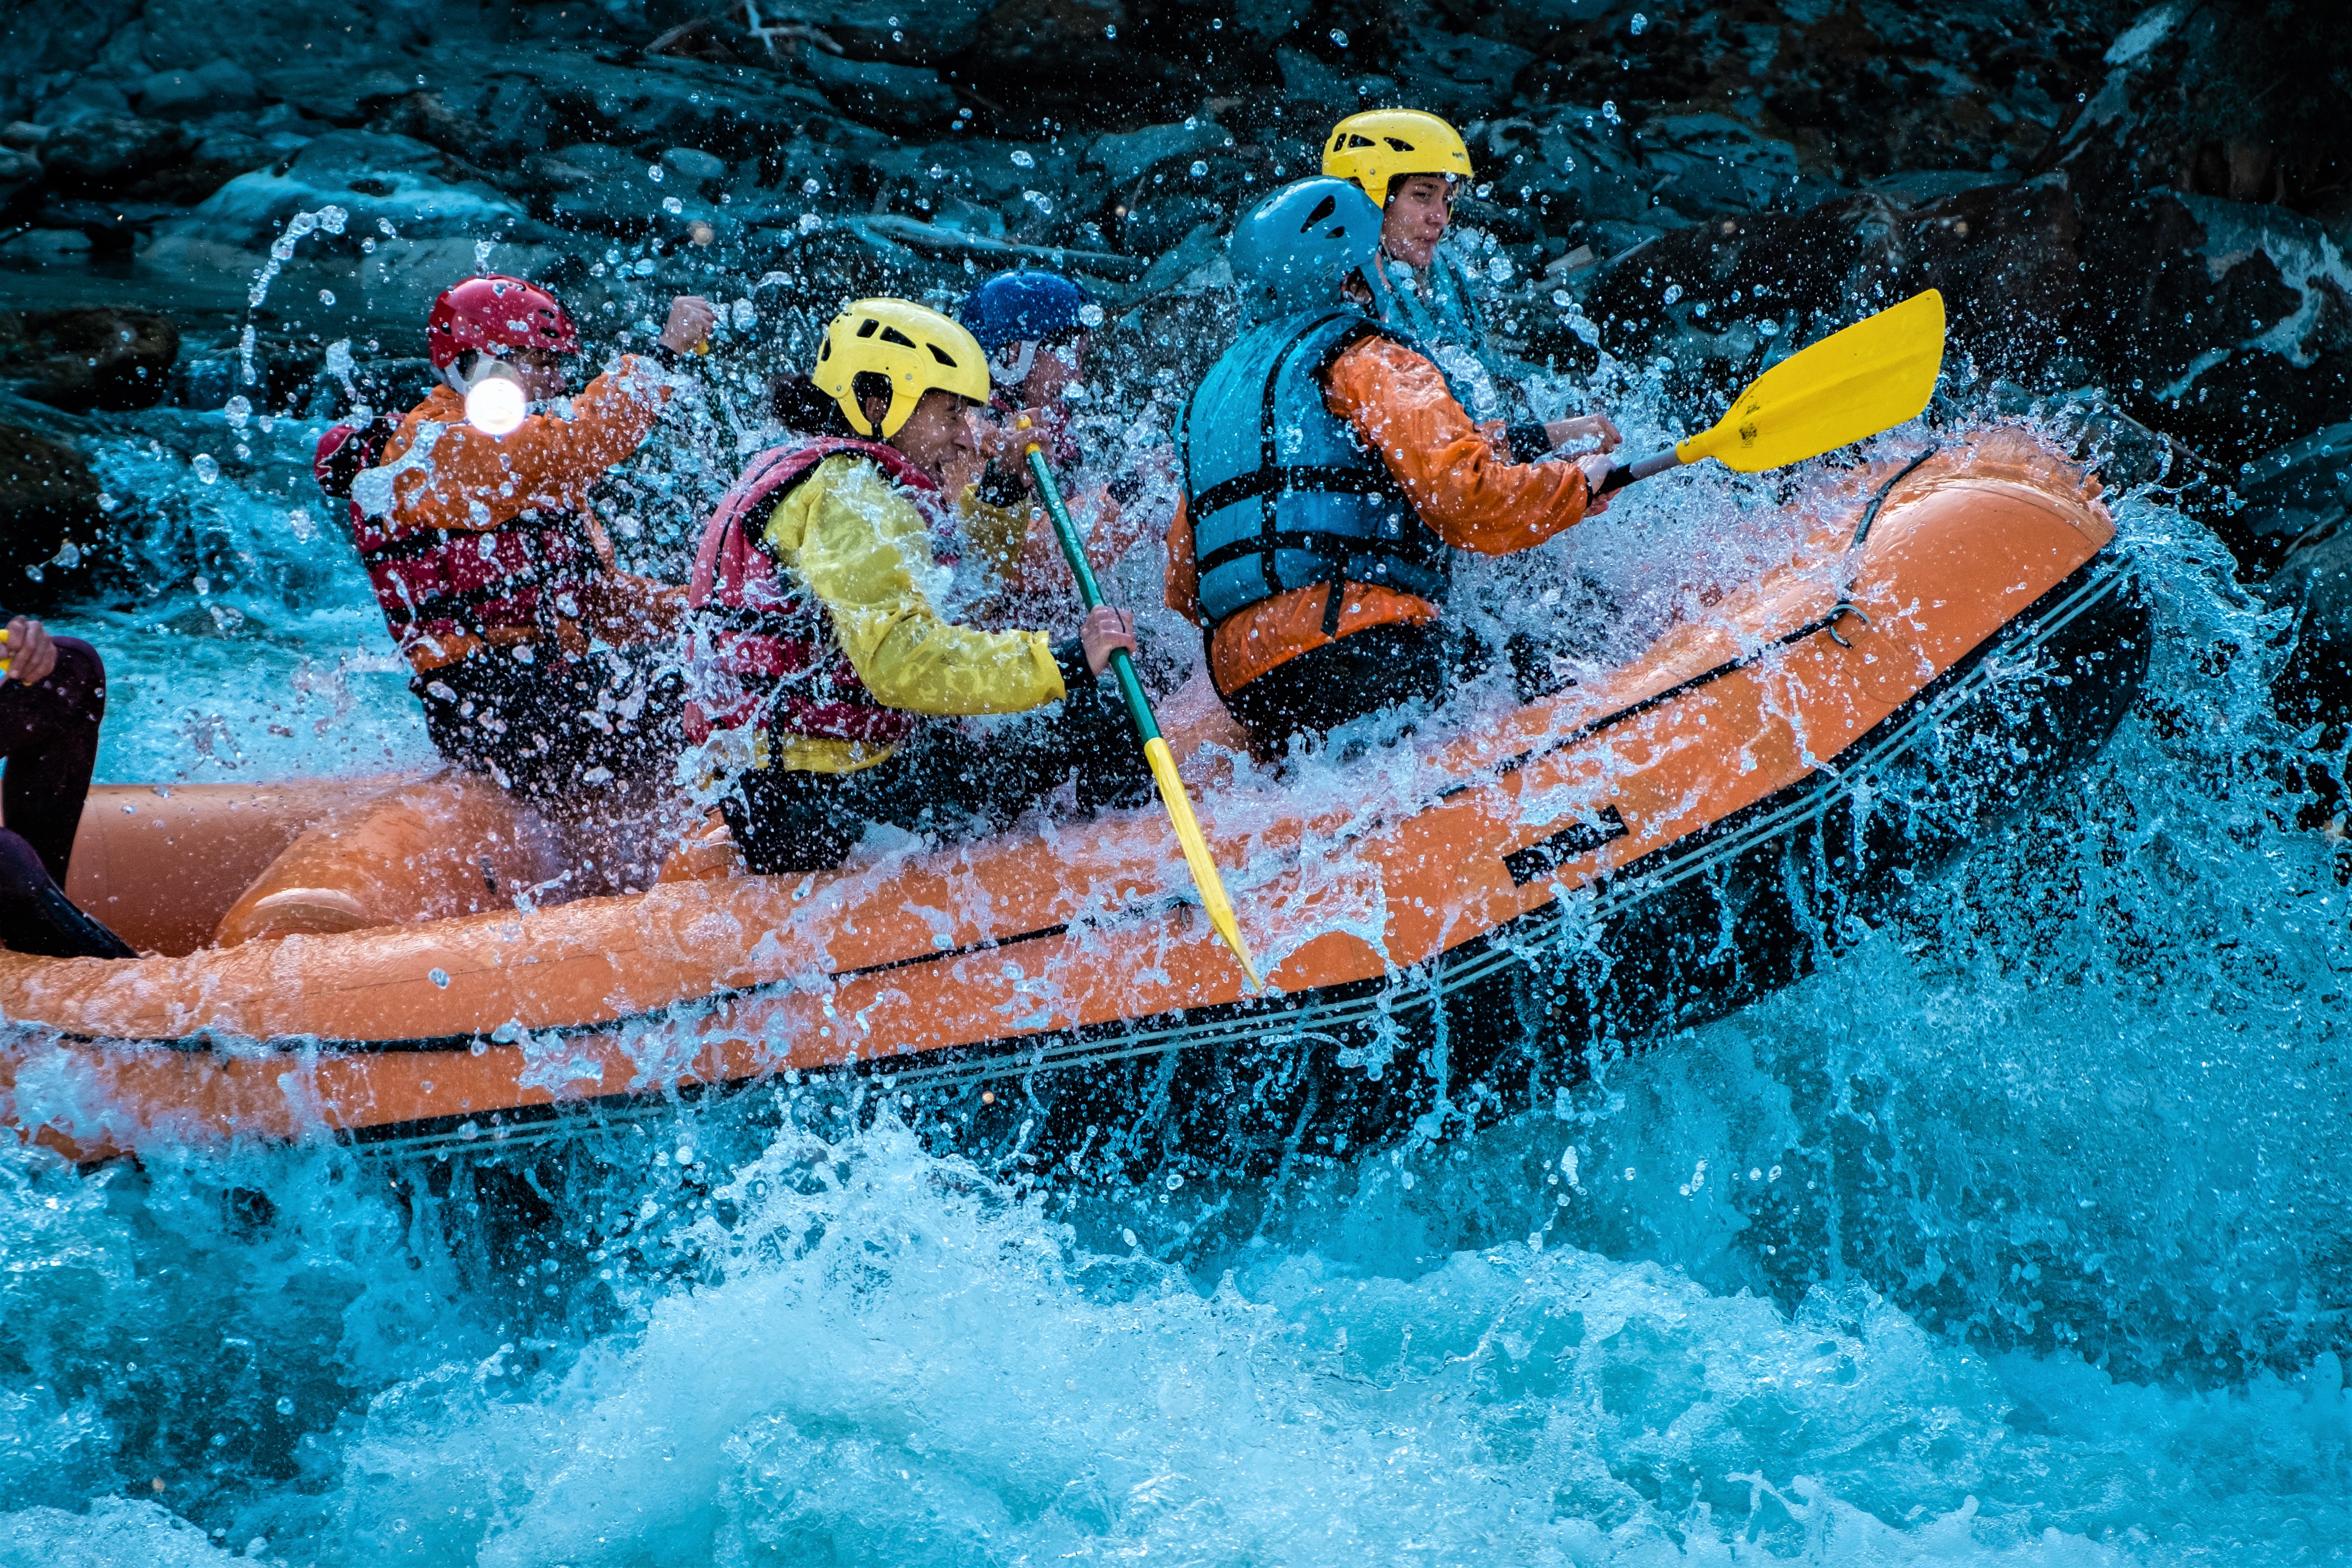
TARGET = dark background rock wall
(2150,205)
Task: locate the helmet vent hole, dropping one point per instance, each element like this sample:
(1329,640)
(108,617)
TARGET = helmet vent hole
(868,327)
(893,335)
(1399,146)
(940,354)
(1323,209)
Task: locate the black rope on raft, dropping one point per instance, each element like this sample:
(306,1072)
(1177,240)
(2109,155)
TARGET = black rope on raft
(1845,606)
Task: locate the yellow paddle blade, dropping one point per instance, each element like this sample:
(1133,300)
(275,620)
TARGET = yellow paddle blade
(1196,855)
(1849,386)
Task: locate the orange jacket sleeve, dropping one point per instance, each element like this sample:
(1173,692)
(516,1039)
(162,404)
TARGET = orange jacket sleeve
(474,480)
(1473,497)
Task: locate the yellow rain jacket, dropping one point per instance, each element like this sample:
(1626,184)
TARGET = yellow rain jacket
(862,548)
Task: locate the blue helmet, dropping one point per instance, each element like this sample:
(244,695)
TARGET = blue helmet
(1027,306)
(1296,249)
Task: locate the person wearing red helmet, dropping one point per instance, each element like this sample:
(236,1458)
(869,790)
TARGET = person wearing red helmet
(527,646)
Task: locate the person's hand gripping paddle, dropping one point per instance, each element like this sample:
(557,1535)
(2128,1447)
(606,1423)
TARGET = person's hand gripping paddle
(1851,385)
(1146,728)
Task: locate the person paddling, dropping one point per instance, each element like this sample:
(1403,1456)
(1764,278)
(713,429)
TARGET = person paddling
(52,701)
(1414,165)
(535,658)
(819,653)
(1330,477)
(1037,329)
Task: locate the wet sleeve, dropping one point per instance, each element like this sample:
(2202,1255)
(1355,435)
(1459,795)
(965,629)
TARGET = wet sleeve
(995,533)
(1473,498)
(474,480)
(864,550)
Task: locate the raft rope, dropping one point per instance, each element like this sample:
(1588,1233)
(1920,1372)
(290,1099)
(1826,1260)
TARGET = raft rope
(1844,606)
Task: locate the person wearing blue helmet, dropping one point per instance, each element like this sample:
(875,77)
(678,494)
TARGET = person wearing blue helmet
(1330,478)
(1035,328)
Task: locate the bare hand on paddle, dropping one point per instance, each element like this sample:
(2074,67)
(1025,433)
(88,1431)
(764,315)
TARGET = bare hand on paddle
(28,655)
(1597,427)
(1107,629)
(691,319)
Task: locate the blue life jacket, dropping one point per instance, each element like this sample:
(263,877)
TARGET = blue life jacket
(1449,313)
(1281,493)
(1440,311)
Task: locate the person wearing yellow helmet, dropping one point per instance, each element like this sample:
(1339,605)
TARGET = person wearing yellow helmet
(819,656)
(1412,164)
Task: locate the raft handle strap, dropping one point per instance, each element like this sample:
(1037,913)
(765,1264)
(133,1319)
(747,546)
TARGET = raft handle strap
(1845,605)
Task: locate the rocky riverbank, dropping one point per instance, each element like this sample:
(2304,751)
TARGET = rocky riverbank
(2139,213)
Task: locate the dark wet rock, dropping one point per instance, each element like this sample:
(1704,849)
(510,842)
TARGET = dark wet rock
(99,357)
(106,153)
(598,188)
(376,179)
(49,517)
(1460,75)
(1129,156)
(216,88)
(900,97)
(695,166)
(2292,498)
(1098,62)
(343,96)
(1733,293)
(16,167)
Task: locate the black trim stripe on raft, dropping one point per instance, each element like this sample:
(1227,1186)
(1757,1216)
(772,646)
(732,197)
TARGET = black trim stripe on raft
(2093,587)
(1337,1007)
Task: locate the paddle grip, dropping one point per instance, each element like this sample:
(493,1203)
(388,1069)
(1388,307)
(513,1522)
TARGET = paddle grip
(1624,474)
(1130,687)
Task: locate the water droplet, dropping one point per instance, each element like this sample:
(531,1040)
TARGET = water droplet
(1640,24)
(1111,31)
(1022,159)
(672,206)
(207,470)
(653,173)
(1339,37)
(1673,292)
(1128,1236)
(1199,168)
(439,977)
(285,1406)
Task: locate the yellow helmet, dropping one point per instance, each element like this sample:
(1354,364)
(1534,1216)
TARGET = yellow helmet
(916,347)
(1380,145)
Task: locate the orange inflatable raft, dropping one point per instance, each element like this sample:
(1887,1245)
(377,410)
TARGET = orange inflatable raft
(365,960)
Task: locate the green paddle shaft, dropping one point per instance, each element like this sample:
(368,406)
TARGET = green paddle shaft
(1146,728)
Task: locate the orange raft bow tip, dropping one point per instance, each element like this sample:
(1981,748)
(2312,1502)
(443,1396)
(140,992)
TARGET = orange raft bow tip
(1706,823)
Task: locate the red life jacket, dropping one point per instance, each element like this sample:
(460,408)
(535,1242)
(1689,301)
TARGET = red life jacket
(524,574)
(761,651)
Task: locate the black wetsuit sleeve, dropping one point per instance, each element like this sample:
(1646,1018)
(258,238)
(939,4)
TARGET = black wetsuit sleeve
(1070,658)
(1528,441)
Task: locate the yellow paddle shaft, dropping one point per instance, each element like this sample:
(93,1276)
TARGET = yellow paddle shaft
(1205,879)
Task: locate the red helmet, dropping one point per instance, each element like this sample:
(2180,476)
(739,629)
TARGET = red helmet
(493,312)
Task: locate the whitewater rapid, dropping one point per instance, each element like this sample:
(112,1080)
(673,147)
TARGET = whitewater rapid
(2021,1235)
